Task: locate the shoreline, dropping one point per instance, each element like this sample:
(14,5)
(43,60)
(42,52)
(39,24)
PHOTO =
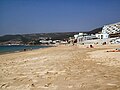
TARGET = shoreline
(25,49)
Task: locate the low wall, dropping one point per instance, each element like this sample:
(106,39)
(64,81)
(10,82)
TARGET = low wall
(96,41)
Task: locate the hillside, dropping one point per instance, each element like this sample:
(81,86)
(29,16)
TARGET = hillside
(97,30)
(30,38)
(26,38)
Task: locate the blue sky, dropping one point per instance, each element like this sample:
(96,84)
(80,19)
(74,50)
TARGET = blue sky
(42,16)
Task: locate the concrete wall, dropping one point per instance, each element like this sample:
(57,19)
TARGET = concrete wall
(97,41)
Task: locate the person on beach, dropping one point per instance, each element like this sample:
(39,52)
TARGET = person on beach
(91,46)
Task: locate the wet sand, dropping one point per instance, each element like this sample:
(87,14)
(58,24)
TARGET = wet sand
(61,68)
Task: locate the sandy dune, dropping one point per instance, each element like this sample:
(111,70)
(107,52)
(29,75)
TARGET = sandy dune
(61,68)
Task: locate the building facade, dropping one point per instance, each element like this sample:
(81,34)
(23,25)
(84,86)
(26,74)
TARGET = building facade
(111,28)
(102,36)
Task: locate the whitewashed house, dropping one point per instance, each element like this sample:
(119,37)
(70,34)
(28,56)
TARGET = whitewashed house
(45,41)
(81,37)
(102,36)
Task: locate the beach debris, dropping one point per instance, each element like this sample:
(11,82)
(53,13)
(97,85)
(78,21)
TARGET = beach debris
(33,85)
(52,72)
(4,86)
(47,85)
(116,50)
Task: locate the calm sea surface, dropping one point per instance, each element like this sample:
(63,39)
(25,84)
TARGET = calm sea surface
(13,48)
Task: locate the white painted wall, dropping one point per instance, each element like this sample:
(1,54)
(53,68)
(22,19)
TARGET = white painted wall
(102,36)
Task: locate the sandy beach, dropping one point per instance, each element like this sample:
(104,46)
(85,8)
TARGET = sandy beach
(61,68)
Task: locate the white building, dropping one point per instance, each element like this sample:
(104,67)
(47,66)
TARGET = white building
(102,36)
(45,41)
(111,28)
(116,40)
(81,37)
(76,36)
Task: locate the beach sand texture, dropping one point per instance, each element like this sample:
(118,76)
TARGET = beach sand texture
(61,68)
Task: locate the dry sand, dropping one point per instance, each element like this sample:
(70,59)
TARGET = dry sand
(61,68)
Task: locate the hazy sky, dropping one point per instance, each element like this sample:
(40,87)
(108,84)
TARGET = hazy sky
(38,16)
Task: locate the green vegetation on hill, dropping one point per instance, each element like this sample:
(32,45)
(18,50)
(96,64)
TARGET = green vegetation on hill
(34,38)
(13,38)
(28,38)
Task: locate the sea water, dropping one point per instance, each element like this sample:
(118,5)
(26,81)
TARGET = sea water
(14,48)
